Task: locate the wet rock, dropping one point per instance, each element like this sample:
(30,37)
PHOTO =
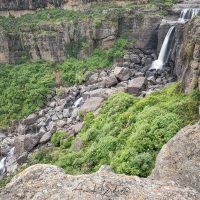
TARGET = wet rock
(136,85)
(126,64)
(75,113)
(135,58)
(122,73)
(151,80)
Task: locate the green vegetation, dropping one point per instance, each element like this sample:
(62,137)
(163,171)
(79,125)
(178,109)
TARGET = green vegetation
(127,134)
(58,16)
(5,181)
(25,87)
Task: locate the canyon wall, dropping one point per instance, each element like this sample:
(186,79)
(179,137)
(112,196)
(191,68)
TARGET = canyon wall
(48,40)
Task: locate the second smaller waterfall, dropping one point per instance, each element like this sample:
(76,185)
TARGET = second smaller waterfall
(165,50)
(189,13)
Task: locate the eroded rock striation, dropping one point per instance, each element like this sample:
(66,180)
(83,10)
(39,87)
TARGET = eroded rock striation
(179,159)
(50,182)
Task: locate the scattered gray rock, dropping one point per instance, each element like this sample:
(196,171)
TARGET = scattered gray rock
(122,73)
(75,113)
(126,65)
(135,58)
(45,138)
(136,85)
(22,158)
(66,113)
(31,119)
(61,123)
(77,144)
(110,81)
(52,104)
(91,104)
(78,127)
(25,143)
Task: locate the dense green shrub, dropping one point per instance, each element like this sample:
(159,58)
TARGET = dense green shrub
(57,138)
(128,133)
(23,89)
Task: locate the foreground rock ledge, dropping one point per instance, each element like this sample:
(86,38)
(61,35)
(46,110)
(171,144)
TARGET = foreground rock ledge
(179,159)
(51,182)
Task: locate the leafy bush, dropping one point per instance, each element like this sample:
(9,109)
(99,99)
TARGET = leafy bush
(57,138)
(128,133)
(24,88)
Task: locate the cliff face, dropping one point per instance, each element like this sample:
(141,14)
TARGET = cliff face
(48,41)
(18,5)
(29,4)
(188,66)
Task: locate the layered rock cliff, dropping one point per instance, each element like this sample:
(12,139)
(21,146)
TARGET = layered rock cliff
(48,40)
(188,60)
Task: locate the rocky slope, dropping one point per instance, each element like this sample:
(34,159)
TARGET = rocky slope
(51,182)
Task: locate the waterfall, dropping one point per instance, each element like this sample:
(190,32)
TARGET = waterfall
(189,13)
(5,161)
(165,50)
(2,167)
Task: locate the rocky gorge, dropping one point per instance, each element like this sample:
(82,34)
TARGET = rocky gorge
(66,107)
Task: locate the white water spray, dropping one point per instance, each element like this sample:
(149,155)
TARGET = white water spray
(165,50)
(188,14)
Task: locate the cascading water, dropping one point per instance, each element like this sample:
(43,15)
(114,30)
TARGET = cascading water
(165,50)
(189,13)
(5,161)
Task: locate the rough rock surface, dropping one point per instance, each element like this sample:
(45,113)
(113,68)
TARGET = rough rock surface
(136,85)
(179,159)
(91,104)
(50,182)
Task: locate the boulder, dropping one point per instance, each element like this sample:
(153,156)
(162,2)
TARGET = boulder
(122,73)
(45,138)
(110,81)
(31,119)
(75,113)
(25,143)
(77,144)
(78,127)
(135,58)
(66,113)
(136,85)
(179,159)
(50,182)
(91,104)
